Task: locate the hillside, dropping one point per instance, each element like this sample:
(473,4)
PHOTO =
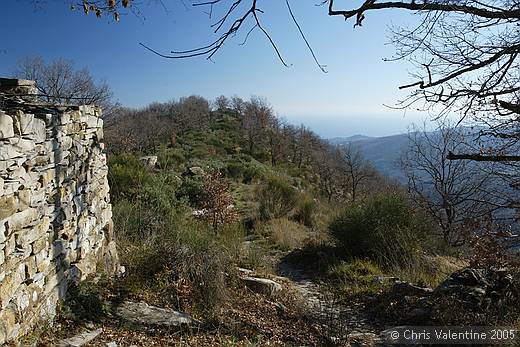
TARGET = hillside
(383,152)
(237,230)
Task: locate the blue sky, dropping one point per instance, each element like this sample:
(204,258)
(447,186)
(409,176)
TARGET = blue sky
(347,100)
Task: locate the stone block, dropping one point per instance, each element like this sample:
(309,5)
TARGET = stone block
(22,219)
(8,206)
(94,122)
(6,126)
(8,318)
(39,130)
(23,145)
(65,118)
(29,235)
(39,245)
(23,123)
(10,285)
(10,152)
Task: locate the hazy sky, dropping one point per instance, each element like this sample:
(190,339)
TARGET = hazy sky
(347,100)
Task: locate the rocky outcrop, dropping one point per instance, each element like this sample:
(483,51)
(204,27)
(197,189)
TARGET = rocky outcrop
(55,212)
(478,288)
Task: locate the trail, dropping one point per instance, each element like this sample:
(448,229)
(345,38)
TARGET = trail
(347,325)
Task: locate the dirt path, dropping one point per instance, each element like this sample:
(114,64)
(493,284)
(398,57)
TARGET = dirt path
(346,324)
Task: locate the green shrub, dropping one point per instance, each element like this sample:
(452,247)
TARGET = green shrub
(192,189)
(277,198)
(253,171)
(126,175)
(152,207)
(305,214)
(384,228)
(359,271)
(356,277)
(178,259)
(235,169)
(170,157)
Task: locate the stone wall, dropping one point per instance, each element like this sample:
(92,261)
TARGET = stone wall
(55,214)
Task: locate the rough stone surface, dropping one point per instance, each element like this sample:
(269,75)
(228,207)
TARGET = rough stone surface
(479,288)
(55,212)
(140,313)
(81,339)
(262,285)
(6,126)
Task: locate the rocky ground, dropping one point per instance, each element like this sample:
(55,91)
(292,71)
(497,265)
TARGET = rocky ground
(346,324)
(285,309)
(288,308)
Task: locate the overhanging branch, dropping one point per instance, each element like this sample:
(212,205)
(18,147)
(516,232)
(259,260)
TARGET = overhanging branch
(480,157)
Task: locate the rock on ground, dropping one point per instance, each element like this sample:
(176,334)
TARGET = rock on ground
(81,339)
(141,313)
(262,285)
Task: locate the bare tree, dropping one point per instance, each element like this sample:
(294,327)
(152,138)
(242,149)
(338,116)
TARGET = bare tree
(59,82)
(237,104)
(222,103)
(357,169)
(453,193)
(218,203)
(255,120)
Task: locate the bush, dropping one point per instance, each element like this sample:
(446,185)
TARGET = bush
(235,169)
(170,157)
(285,234)
(305,213)
(384,228)
(277,198)
(359,270)
(126,175)
(153,206)
(184,266)
(246,169)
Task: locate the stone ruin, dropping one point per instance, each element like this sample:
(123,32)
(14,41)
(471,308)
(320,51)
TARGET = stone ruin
(55,212)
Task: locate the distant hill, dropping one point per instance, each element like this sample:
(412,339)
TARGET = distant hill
(353,138)
(382,152)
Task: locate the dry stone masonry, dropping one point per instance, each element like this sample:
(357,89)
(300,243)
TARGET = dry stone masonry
(55,213)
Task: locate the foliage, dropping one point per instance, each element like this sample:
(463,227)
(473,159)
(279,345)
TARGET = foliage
(488,247)
(356,277)
(383,228)
(218,205)
(184,263)
(305,213)
(126,175)
(85,301)
(192,189)
(277,198)
(285,233)
(170,157)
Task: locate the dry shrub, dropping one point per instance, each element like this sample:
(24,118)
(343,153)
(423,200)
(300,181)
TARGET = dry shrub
(429,271)
(183,269)
(489,247)
(218,203)
(285,233)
